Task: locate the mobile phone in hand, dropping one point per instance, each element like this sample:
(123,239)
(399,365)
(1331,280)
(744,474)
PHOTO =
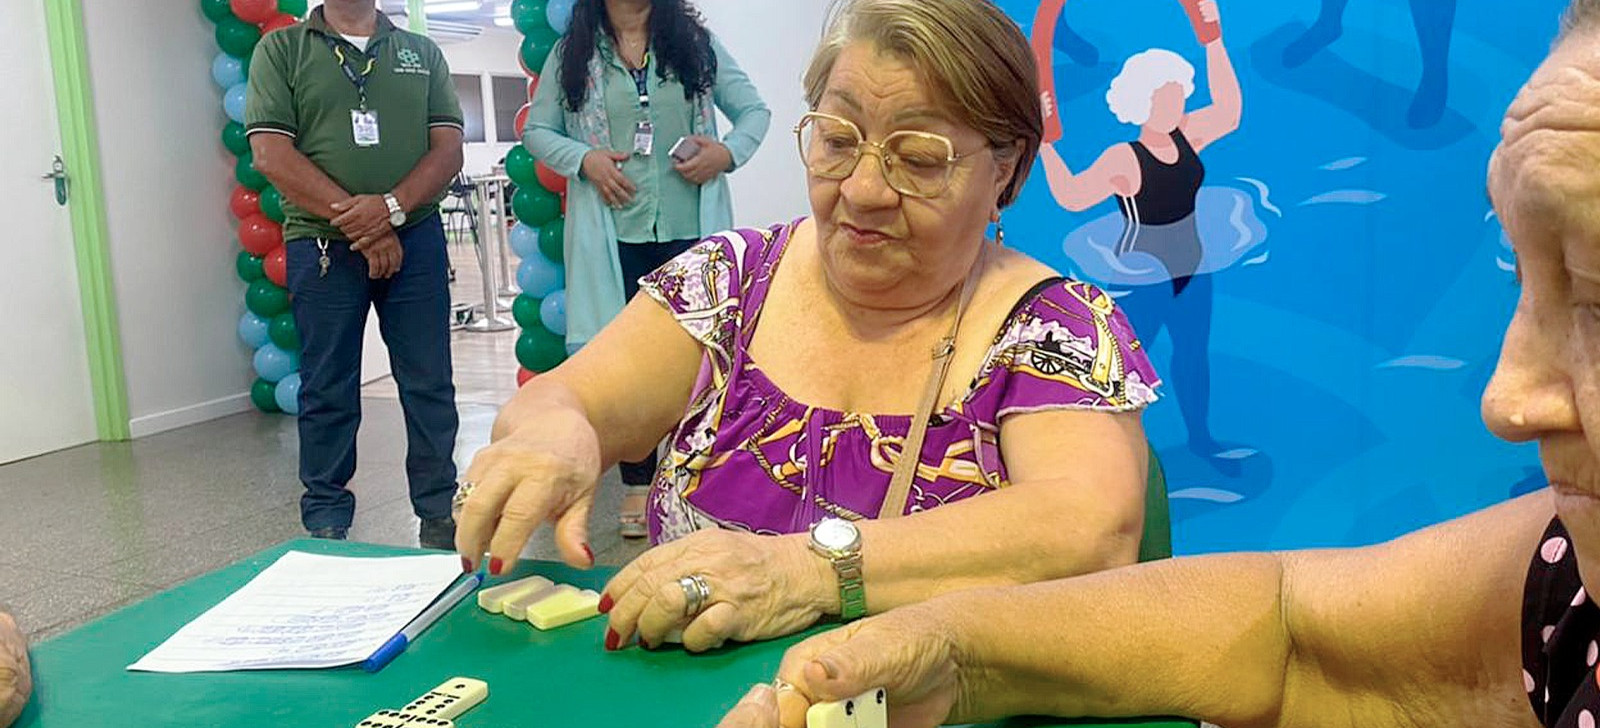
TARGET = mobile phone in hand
(684,149)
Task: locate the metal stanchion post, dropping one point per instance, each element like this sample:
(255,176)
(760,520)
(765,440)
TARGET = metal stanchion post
(490,190)
(508,282)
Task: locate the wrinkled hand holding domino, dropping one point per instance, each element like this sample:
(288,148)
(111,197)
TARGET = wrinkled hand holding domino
(761,587)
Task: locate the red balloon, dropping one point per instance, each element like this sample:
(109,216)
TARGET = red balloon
(244,202)
(278,22)
(525,70)
(550,180)
(521,122)
(254,11)
(533,86)
(276,265)
(563,203)
(523,375)
(259,235)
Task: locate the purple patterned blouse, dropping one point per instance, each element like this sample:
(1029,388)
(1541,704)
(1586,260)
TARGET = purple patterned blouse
(746,456)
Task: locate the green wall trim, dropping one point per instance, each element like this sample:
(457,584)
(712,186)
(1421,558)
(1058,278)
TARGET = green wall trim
(416,17)
(80,148)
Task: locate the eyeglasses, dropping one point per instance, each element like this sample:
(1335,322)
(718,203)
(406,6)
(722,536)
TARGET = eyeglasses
(915,163)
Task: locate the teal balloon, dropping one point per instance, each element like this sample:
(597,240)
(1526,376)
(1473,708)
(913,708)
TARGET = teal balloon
(537,45)
(530,16)
(272,204)
(249,267)
(234,138)
(520,166)
(525,309)
(216,10)
(244,170)
(552,236)
(237,37)
(539,350)
(266,299)
(296,8)
(282,331)
(264,395)
(287,393)
(535,205)
(254,330)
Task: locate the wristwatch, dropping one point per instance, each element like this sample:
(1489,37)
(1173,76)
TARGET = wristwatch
(839,541)
(397,215)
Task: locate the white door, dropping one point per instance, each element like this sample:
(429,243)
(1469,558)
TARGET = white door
(46,400)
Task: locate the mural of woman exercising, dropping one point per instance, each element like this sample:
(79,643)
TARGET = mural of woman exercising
(1156,179)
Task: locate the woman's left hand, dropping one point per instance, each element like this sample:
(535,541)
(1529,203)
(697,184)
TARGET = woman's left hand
(712,159)
(761,587)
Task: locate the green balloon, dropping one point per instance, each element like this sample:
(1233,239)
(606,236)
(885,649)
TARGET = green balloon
(216,10)
(535,205)
(552,236)
(234,138)
(530,17)
(248,267)
(282,331)
(237,37)
(536,46)
(539,351)
(296,8)
(264,395)
(520,167)
(244,170)
(525,309)
(272,204)
(266,299)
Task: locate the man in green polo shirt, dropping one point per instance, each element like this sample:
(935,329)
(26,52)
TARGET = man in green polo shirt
(357,124)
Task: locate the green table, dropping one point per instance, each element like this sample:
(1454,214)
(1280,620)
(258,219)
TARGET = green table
(560,678)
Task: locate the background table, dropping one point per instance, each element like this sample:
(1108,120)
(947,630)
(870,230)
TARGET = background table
(561,678)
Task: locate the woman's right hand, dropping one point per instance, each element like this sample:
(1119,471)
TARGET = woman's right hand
(600,168)
(546,469)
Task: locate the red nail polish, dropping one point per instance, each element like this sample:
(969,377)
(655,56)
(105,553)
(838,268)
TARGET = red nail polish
(466,565)
(590,553)
(613,640)
(605,604)
(495,565)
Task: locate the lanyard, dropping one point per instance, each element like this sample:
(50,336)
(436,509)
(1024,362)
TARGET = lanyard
(641,76)
(358,73)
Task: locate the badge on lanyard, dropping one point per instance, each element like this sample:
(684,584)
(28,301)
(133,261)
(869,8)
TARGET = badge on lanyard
(364,124)
(644,133)
(644,139)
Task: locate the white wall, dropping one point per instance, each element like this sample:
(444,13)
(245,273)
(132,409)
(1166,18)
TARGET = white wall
(493,53)
(772,40)
(167,179)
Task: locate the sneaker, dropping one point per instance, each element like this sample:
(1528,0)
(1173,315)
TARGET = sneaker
(437,533)
(333,533)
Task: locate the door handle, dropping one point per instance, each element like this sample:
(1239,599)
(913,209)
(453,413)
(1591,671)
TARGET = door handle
(58,174)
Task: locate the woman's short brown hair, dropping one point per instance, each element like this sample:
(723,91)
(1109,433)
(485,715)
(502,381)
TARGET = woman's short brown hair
(976,59)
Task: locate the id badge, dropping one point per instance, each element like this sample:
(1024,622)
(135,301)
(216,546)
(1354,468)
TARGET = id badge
(644,139)
(364,125)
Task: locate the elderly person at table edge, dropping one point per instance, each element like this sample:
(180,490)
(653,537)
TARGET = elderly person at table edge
(1481,621)
(783,363)
(16,678)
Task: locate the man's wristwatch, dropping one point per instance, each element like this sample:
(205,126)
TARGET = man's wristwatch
(839,541)
(397,215)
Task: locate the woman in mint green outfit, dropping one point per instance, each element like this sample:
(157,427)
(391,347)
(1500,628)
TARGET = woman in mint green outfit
(629,81)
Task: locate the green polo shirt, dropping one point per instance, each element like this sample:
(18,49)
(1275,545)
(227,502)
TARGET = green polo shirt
(297,88)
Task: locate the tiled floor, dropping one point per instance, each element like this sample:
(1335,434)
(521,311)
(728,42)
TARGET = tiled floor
(87,530)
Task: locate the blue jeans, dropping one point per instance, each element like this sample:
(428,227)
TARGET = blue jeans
(414,318)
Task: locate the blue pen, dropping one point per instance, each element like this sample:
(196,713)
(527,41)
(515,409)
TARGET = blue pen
(397,644)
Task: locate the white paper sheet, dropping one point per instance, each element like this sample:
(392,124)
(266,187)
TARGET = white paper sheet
(307,611)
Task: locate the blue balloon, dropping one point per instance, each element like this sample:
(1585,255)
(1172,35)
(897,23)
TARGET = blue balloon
(553,312)
(273,363)
(559,14)
(524,241)
(288,393)
(255,331)
(227,71)
(573,347)
(539,277)
(233,102)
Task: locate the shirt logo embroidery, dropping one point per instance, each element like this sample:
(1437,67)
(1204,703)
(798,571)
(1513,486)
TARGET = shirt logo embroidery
(409,61)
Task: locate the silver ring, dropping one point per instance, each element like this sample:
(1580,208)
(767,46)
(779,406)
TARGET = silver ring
(696,592)
(463,492)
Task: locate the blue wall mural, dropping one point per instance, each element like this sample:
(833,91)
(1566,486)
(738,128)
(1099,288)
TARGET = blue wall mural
(1326,304)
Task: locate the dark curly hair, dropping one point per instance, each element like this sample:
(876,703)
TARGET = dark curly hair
(678,38)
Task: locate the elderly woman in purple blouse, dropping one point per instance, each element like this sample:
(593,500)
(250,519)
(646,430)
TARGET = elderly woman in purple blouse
(864,408)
